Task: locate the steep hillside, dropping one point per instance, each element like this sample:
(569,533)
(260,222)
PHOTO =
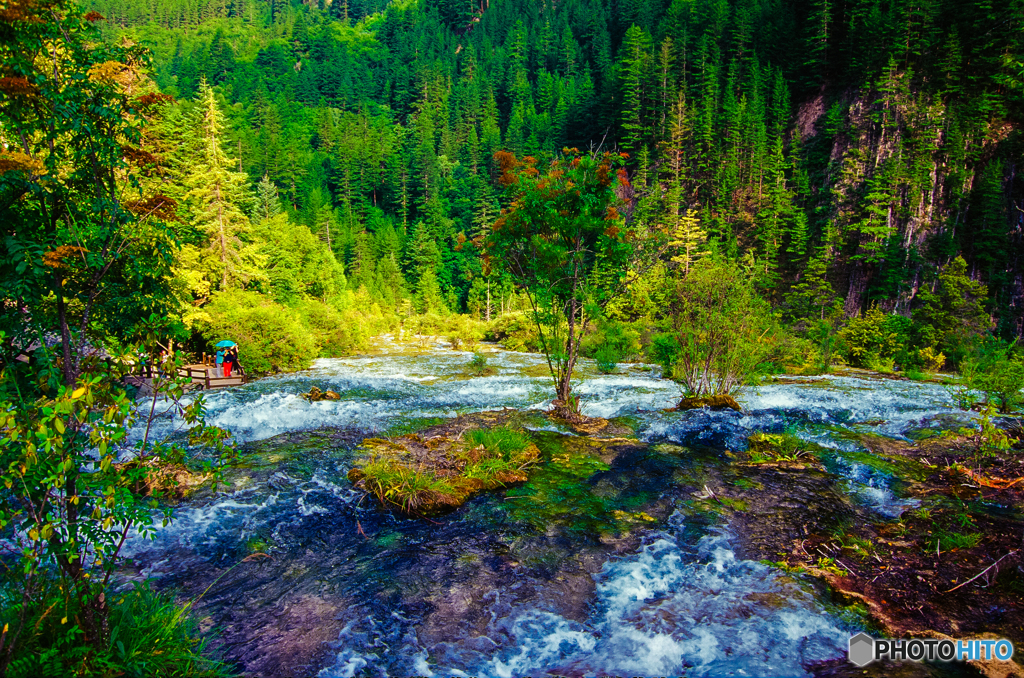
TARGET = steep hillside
(882,137)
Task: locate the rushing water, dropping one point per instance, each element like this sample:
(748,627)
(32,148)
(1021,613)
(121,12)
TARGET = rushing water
(508,585)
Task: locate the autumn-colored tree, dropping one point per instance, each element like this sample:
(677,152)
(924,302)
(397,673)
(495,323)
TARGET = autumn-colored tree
(564,242)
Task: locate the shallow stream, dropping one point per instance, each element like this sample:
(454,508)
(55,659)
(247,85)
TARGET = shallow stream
(609,561)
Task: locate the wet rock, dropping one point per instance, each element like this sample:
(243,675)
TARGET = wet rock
(775,507)
(316,395)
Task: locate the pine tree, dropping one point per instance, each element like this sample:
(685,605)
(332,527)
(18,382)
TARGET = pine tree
(268,204)
(633,67)
(686,238)
(217,194)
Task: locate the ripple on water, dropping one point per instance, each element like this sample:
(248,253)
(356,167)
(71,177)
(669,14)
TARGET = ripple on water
(664,610)
(666,613)
(669,608)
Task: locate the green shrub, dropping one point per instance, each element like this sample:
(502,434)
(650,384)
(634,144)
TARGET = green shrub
(270,337)
(516,332)
(336,333)
(610,343)
(478,364)
(877,341)
(954,316)
(995,372)
(723,332)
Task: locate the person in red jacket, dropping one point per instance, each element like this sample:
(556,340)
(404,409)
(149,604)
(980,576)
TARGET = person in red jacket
(230,360)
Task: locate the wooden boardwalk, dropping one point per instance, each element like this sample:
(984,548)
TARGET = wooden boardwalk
(203,377)
(210,377)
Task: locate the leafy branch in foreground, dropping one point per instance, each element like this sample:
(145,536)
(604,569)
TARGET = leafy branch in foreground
(76,487)
(84,269)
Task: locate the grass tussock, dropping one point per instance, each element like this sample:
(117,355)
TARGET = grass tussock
(421,475)
(780,447)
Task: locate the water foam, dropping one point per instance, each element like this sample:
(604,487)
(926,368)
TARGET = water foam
(667,611)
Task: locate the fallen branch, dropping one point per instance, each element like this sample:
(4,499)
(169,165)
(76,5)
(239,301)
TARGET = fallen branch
(983,572)
(991,482)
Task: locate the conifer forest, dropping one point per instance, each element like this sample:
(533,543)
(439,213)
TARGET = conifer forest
(805,211)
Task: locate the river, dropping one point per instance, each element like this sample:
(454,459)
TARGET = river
(606,563)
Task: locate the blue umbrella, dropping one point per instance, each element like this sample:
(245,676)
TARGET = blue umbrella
(227,343)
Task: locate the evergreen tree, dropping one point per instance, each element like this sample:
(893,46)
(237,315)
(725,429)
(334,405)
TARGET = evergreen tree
(217,196)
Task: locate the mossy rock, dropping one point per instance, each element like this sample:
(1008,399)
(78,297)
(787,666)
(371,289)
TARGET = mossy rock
(715,402)
(423,474)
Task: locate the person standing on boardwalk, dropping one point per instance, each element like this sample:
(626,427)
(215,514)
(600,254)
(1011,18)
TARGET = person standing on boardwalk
(230,360)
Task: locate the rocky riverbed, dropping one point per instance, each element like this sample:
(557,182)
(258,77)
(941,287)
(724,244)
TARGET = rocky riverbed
(668,542)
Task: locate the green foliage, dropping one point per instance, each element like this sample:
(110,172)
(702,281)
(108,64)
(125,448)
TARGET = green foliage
(68,504)
(83,243)
(378,130)
(149,635)
(722,331)
(516,332)
(336,333)
(995,370)
(86,260)
(954,315)
(610,343)
(877,340)
(270,337)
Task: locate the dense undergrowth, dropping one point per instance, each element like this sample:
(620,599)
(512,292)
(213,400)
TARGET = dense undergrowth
(149,635)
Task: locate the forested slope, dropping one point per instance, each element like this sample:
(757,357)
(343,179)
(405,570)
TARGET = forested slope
(881,138)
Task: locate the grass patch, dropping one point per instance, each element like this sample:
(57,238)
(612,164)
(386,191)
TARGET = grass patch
(949,541)
(776,447)
(420,476)
(501,441)
(408,489)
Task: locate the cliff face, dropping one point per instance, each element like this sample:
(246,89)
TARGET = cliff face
(903,181)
